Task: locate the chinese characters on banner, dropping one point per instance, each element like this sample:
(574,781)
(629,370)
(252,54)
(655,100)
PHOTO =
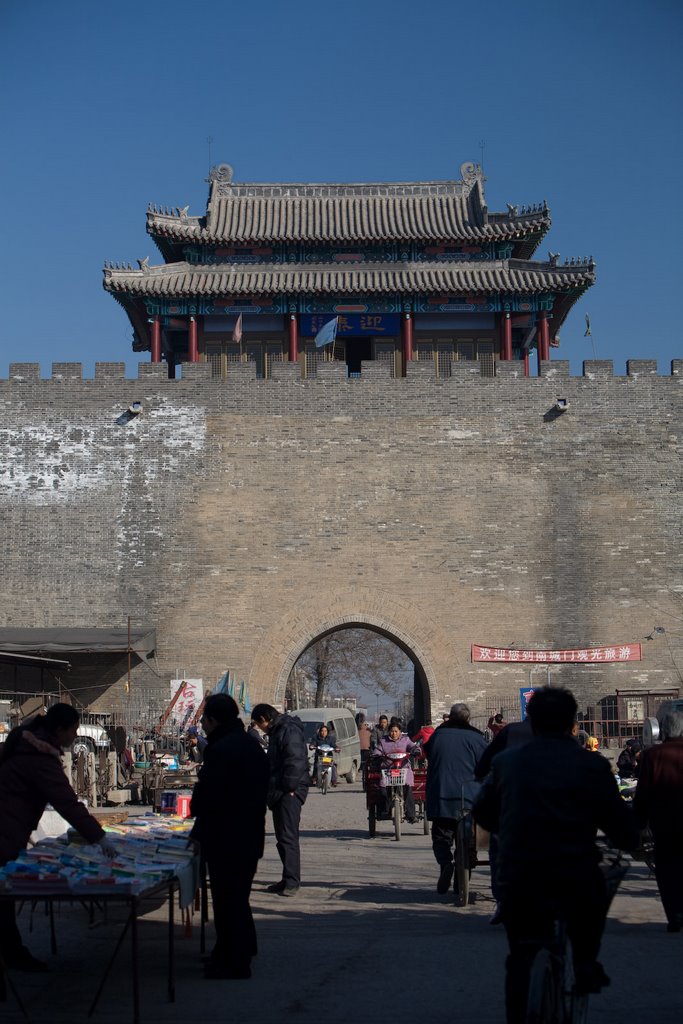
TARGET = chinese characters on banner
(585,655)
(188,701)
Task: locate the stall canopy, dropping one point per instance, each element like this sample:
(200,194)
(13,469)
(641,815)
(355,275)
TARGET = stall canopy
(33,661)
(40,642)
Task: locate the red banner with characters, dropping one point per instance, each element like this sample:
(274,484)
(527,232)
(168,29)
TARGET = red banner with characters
(578,656)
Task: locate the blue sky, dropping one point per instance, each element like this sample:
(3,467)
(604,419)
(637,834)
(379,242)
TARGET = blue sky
(108,108)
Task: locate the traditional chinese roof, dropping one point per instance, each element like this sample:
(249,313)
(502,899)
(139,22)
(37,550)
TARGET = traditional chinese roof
(184,279)
(437,211)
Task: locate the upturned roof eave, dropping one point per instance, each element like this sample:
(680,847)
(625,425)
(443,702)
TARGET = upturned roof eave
(168,235)
(215,279)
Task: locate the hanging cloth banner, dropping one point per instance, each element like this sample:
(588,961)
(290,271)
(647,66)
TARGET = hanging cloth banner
(582,655)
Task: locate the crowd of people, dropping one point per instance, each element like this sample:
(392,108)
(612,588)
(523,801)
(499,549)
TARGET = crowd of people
(541,793)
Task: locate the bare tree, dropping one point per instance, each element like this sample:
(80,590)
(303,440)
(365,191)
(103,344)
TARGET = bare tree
(342,661)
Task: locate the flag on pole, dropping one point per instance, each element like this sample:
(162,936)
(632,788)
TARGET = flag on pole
(327,333)
(237,330)
(221,684)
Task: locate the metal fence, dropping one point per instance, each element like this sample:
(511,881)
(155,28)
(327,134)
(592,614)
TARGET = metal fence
(612,719)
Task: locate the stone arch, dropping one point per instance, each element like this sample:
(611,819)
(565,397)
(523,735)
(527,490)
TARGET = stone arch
(420,638)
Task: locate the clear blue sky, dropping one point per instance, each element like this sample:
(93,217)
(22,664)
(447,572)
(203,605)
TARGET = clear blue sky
(108,107)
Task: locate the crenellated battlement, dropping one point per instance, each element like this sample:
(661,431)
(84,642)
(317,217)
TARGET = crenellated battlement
(422,372)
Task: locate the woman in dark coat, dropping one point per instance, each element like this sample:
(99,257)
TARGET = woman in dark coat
(32,776)
(229,804)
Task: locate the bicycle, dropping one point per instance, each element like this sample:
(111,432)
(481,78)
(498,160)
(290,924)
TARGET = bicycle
(553,996)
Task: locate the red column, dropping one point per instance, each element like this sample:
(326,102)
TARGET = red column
(526,362)
(293,338)
(544,336)
(407,340)
(193,349)
(156,340)
(506,339)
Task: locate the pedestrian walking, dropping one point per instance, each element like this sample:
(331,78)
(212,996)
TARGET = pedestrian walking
(287,789)
(452,752)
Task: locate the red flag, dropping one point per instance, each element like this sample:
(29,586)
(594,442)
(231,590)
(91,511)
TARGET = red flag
(237,330)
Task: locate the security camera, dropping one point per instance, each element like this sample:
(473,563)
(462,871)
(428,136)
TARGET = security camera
(562,404)
(135,408)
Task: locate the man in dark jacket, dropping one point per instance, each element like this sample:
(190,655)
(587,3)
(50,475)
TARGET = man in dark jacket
(659,803)
(31,776)
(546,800)
(287,789)
(452,751)
(229,804)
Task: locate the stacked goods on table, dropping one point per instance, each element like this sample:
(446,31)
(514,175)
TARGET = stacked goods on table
(149,850)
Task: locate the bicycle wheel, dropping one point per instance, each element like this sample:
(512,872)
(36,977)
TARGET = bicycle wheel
(543,1004)
(575,1003)
(462,860)
(576,1007)
(397,816)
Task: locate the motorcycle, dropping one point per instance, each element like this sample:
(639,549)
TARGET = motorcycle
(324,765)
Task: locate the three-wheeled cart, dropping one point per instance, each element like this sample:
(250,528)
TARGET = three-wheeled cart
(376,801)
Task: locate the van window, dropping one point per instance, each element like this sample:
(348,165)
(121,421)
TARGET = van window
(343,728)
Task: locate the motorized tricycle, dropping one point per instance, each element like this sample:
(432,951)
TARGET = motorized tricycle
(387,802)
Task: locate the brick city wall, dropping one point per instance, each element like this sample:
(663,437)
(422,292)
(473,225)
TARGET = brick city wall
(245,518)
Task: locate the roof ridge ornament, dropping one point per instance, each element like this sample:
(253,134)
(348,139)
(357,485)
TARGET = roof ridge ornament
(221,174)
(469,171)
(144,265)
(553,257)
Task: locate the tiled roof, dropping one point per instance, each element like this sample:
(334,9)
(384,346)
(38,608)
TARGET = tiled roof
(184,279)
(404,211)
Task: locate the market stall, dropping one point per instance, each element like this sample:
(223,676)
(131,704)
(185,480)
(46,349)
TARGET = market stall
(152,863)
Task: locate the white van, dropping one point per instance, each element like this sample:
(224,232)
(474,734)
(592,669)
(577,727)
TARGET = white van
(343,724)
(90,738)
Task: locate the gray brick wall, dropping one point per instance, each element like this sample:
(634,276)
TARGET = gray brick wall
(243,518)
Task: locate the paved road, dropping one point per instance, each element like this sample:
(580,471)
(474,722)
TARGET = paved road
(367,938)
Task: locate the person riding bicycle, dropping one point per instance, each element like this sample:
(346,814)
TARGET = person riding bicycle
(323,738)
(396,742)
(546,801)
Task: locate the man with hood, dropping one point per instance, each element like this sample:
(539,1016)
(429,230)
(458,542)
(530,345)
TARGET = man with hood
(287,789)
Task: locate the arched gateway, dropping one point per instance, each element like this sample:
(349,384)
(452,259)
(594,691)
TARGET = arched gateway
(425,644)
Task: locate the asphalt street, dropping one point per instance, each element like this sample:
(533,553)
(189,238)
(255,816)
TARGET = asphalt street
(366,939)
